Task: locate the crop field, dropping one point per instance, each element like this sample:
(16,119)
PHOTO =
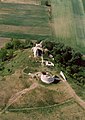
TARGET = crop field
(69,22)
(24,21)
(83,4)
(36,2)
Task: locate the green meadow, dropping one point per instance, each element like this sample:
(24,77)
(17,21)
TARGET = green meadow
(69,22)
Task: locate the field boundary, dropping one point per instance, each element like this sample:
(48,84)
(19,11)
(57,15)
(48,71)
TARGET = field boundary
(34,108)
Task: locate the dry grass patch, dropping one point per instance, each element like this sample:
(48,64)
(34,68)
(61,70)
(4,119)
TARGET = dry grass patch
(3,41)
(35,2)
(12,84)
(25,29)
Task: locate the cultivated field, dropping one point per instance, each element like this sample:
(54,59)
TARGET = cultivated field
(83,4)
(36,2)
(26,21)
(69,22)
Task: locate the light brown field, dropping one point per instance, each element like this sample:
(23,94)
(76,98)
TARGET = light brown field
(25,29)
(3,41)
(36,2)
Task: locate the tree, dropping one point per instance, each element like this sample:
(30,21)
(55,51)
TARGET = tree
(9,45)
(3,54)
(1,65)
(16,44)
(58,58)
(68,69)
(58,48)
(28,44)
(10,54)
(76,58)
(74,69)
(47,3)
(49,45)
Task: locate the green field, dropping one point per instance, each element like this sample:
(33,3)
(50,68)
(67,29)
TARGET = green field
(83,4)
(69,22)
(24,21)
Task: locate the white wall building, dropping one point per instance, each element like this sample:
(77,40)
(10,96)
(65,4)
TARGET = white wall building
(37,50)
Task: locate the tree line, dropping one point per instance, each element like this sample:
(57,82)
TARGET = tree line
(68,59)
(65,57)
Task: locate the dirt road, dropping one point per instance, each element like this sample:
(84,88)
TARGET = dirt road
(74,95)
(18,95)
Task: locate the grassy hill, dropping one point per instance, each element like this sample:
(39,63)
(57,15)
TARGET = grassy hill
(46,102)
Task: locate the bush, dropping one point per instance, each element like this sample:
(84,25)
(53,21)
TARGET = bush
(28,44)
(76,58)
(46,2)
(49,45)
(74,69)
(1,66)
(3,54)
(9,45)
(10,54)
(16,44)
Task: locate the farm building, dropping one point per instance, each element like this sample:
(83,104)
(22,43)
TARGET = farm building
(37,50)
(47,78)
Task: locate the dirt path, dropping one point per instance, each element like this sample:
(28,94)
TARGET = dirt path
(18,95)
(74,95)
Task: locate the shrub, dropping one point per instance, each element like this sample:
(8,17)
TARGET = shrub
(9,45)
(10,54)
(28,44)
(3,54)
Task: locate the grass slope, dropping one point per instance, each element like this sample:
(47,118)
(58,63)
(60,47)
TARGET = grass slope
(46,102)
(69,22)
(67,111)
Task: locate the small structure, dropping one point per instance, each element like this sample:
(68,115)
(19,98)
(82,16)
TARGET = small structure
(47,78)
(38,50)
(50,56)
(62,75)
(49,64)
